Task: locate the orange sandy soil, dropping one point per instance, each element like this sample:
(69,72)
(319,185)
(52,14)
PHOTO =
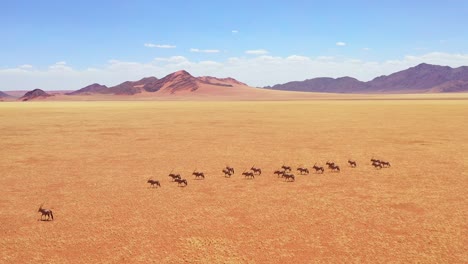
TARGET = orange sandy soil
(89,162)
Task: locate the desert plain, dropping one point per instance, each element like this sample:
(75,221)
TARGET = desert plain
(89,163)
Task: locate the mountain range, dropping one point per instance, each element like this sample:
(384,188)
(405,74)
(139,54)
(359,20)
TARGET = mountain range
(174,83)
(423,78)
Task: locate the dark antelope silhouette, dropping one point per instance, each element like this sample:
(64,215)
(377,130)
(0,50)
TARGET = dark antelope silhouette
(352,163)
(256,170)
(248,174)
(332,166)
(179,181)
(227,173)
(380,163)
(303,170)
(286,168)
(279,172)
(230,169)
(385,164)
(289,177)
(45,212)
(174,176)
(198,174)
(318,168)
(377,165)
(154,183)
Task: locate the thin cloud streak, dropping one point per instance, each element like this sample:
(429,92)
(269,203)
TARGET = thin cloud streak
(204,51)
(160,46)
(256,52)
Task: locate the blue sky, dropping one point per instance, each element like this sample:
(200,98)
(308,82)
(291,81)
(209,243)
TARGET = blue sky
(66,45)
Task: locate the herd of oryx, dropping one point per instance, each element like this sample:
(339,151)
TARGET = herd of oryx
(284,172)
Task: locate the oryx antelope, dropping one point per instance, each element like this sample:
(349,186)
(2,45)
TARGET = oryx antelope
(279,172)
(256,170)
(180,181)
(45,212)
(318,168)
(385,164)
(227,173)
(154,183)
(352,163)
(230,169)
(377,164)
(248,174)
(286,168)
(289,177)
(198,174)
(174,176)
(332,166)
(303,170)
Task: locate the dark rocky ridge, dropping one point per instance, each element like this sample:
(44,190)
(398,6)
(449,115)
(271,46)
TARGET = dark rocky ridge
(34,94)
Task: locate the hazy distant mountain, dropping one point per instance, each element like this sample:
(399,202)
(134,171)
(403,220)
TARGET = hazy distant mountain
(34,94)
(323,85)
(418,79)
(180,81)
(4,95)
(220,81)
(91,89)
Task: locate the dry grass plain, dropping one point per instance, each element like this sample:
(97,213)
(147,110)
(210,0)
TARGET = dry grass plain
(89,162)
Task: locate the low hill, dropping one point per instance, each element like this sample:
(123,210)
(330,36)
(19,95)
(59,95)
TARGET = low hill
(91,89)
(34,94)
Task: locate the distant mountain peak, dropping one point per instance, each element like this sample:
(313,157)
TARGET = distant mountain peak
(181,73)
(36,93)
(90,89)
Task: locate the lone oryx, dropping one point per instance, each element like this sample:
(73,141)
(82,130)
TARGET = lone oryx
(46,212)
(153,183)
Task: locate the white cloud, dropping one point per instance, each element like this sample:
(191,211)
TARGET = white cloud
(256,70)
(161,46)
(256,52)
(365,49)
(235,31)
(297,58)
(25,66)
(60,66)
(341,44)
(325,58)
(204,51)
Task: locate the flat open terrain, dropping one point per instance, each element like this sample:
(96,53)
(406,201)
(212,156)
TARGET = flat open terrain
(89,162)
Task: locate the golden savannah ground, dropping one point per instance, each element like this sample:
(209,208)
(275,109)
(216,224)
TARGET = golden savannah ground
(89,162)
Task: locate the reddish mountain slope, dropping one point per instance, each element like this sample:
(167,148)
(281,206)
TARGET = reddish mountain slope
(174,83)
